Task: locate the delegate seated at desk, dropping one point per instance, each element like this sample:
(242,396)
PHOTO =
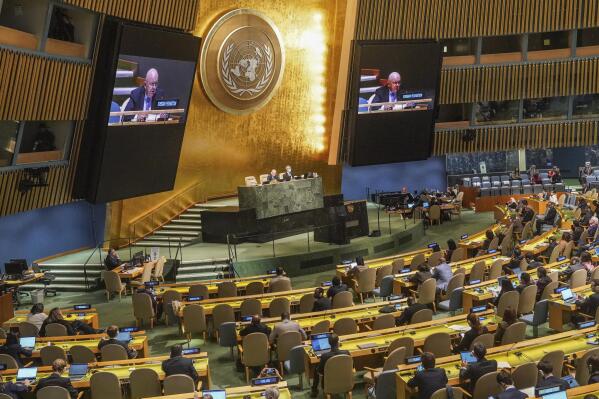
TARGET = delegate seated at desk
(177,364)
(112,260)
(144,98)
(390,93)
(273,177)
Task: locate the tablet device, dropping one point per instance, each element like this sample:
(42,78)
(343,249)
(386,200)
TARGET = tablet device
(464,236)
(327,283)
(585,324)
(320,342)
(432,245)
(467,357)
(246,318)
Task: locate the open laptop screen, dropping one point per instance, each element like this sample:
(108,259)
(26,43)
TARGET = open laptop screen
(320,342)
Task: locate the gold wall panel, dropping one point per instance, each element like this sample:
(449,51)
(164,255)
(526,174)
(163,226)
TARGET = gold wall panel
(417,19)
(220,149)
(178,14)
(501,138)
(38,88)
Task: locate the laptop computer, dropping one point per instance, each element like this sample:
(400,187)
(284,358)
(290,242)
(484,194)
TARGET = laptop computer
(568,296)
(77,371)
(124,336)
(320,343)
(27,373)
(554,392)
(27,342)
(425,204)
(215,394)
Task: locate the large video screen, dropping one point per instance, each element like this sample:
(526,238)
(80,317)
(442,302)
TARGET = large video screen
(138,110)
(394,101)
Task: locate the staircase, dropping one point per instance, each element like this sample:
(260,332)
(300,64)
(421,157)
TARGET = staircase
(70,277)
(204,269)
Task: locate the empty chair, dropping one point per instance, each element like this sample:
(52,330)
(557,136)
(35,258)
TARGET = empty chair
(254,288)
(159,269)
(478,271)
(422,316)
(528,297)
(280,285)
(549,290)
(426,292)
(538,317)
(194,321)
(255,352)
(306,303)
(454,302)
(514,333)
(81,354)
(167,303)
(495,269)
(525,375)
(145,276)
(582,370)
(439,344)
(112,352)
(366,282)
(144,383)
(296,364)
(402,342)
(226,289)
(343,300)
(385,289)
(104,384)
(285,342)
(434,258)
(178,383)
(345,326)
(455,282)
(222,313)
(458,255)
(456,393)
(143,309)
(395,358)
(251,306)
(434,214)
(50,353)
(113,284)
(56,330)
(27,329)
(199,290)
(339,376)
(417,260)
(578,278)
(322,326)
(488,340)
(52,392)
(227,336)
(9,361)
(397,265)
(486,386)
(383,321)
(507,300)
(382,272)
(278,306)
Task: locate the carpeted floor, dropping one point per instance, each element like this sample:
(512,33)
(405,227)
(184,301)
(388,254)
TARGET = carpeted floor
(223,369)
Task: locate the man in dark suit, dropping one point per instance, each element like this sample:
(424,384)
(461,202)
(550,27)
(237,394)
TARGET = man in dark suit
(320,301)
(288,174)
(56,380)
(547,378)
(590,304)
(144,97)
(177,364)
(505,381)
(430,379)
(336,288)
(406,316)
(112,333)
(112,260)
(13,348)
(390,93)
(255,326)
(475,370)
(318,371)
(549,217)
(273,176)
(527,212)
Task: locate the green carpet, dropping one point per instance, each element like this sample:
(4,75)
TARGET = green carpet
(223,370)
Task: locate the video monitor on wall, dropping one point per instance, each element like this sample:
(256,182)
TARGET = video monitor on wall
(394,101)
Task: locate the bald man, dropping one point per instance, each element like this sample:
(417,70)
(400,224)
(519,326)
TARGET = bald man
(390,93)
(144,97)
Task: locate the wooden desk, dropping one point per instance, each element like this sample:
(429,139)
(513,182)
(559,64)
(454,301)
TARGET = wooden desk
(387,260)
(246,392)
(6,308)
(560,312)
(90,316)
(540,243)
(132,273)
(21,282)
(571,343)
(476,240)
(212,285)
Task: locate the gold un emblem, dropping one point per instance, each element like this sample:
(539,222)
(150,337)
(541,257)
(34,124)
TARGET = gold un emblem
(242,61)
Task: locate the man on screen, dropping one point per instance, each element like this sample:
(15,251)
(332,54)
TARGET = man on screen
(144,98)
(390,93)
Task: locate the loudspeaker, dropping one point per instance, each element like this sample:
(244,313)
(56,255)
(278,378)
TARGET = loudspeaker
(170,270)
(375,233)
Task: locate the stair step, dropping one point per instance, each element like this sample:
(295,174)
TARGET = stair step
(186,222)
(197,269)
(198,276)
(181,227)
(167,238)
(205,261)
(191,216)
(89,265)
(177,233)
(159,244)
(60,287)
(63,272)
(207,205)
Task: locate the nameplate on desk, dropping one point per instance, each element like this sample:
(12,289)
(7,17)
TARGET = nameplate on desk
(432,245)
(560,258)
(478,309)
(464,236)
(84,306)
(491,251)
(412,96)
(585,324)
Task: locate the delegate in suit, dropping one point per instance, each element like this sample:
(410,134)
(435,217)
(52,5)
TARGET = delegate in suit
(144,98)
(390,93)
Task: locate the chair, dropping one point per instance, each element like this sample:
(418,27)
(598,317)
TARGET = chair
(527,300)
(52,392)
(549,290)
(158,273)
(582,370)
(113,284)
(255,352)
(381,273)
(366,282)
(488,340)
(343,300)
(383,321)
(285,342)
(458,255)
(538,317)
(345,326)
(144,383)
(81,354)
(527,232)
(426,292)
(194,321)
(199,290)
(395,358)
(145,276)
(281,285)
(143,310)
(454,302)
(56,330)
(254,288)
(514,333)
(578,278)
(442,393)
(177,384)
(278,306)
(227,336)
(434,258)
(494,244)
(455,282)
(322,326)
(556,358)
(251,306)
(112,352)
(251,181)
(167,302)
(478,271)
(226,289)
(525,375)
(27,329)
(397,265)
(508,300)
(495,270)
(222,313)
(339,376)
(439,344)
(306,303)
(385,289)
(434,214)
(417,260)
(9,361)
(402,342)
(295,363)
(486,386)
(104,384)
(50,353)
(422,316)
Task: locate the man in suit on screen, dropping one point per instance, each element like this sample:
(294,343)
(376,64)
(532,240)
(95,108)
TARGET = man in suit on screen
(144,98)
(390,93)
